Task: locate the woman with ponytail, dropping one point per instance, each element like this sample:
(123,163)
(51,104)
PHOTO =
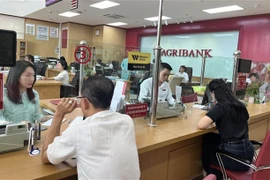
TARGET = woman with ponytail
(231,119)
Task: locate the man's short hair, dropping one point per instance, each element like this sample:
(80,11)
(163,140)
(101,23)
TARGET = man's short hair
(165,66)
(99,91)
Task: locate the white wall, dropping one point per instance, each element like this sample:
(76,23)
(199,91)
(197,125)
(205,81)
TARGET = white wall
(13,23)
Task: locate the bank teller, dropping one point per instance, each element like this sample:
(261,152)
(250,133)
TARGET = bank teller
(63,75)
(21,101)
(164,90)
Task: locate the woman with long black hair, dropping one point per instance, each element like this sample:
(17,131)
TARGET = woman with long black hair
(231,118)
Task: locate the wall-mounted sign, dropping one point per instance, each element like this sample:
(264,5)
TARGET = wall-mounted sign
(186,52)
(50,2)
(138,61)
(74,4)
(42,33)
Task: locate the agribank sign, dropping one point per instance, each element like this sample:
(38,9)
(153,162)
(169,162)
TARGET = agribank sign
(186,53)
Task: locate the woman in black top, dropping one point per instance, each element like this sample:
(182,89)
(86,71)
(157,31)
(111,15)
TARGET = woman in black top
(231,119)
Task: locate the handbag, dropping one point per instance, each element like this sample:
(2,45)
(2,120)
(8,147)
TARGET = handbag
(190,98)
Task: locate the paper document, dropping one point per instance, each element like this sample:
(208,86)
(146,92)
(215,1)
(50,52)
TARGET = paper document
(48,123)
(198,106)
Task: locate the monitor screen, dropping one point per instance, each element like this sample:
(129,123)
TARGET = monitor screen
(207,97)
(244,65)
(8,40)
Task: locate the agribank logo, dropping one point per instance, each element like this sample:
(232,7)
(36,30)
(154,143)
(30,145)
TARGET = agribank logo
(186,52)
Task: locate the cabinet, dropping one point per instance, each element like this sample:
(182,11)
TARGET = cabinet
(21,49)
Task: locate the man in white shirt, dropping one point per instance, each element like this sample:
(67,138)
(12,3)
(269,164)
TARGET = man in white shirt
(104,143)
(164,90)
(182,73)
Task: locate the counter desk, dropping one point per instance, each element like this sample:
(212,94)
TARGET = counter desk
(172,150)
(54,72)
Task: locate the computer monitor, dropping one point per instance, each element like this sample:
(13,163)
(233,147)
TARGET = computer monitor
(8,48)
(76,65)
(244,66)
(207,97)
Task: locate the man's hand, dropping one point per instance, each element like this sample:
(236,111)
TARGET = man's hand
(65,106)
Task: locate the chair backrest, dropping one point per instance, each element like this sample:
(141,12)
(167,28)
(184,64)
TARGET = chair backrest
(41,68)
(108,72)
(115,65)
(263,159)
(187,90)
(75,79)
(146,75)
(189,71)
(175,81)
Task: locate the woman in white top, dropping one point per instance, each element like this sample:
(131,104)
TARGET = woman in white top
(63,75)
(182,73)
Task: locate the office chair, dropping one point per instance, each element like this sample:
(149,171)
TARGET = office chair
(115,65)
(175,81)
(259,169)
(146,75)
(108,72)
(41,68)
(189,71)
(72,89)
(99,70)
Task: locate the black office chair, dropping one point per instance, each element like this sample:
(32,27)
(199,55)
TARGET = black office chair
(115,65)
(146,75)
(41,68)
(108,72)
(189,71)
(71,90)
(99,70)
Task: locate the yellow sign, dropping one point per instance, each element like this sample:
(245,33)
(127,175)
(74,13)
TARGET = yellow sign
(139,61)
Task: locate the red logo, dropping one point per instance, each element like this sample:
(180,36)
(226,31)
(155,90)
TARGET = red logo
(85,54)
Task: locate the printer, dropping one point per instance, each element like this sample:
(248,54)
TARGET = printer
(13,137)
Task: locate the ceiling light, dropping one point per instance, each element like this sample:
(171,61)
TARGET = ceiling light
(69,14)
(155,24)
(156,18)
(117,24)
(144,26)
(191,21)
(223,9)
(104,4)
(177,22)
(166,22)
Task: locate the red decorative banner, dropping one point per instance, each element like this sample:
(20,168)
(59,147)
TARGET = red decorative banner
(136,110)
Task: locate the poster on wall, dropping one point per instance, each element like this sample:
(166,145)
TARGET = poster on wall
(262,69)
(30,29)
(42,33)
(53,32)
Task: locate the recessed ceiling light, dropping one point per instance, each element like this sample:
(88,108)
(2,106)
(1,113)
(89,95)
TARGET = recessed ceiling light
(69,14)
(223,9)
(117,24)
(156,18)
(104,4)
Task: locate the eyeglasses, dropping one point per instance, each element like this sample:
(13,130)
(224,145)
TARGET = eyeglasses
(78,99)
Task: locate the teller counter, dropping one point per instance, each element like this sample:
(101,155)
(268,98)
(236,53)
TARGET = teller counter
(172,150)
